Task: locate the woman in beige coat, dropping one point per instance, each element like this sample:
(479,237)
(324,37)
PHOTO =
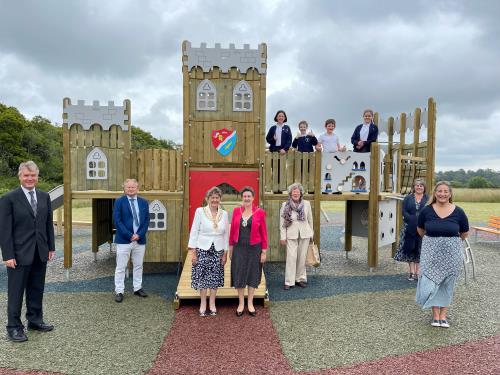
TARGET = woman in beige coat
(296,231)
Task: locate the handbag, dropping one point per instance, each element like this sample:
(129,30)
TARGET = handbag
(313,259)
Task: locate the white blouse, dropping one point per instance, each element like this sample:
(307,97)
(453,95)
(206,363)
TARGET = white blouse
(206,230)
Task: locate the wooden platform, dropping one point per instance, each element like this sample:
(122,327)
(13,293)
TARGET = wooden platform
(184,290)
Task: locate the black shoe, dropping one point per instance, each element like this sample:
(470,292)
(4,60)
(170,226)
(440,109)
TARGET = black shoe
(252,313)
(119,297)
(239,314)
(16,335)
(302,284)
(42,327)
(141,293)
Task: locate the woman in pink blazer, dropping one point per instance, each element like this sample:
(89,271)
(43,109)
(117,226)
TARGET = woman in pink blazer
(247,249)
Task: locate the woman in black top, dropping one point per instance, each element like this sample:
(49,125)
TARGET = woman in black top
(443,226)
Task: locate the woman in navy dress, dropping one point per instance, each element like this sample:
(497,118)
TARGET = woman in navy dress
(409,241)
(443,227)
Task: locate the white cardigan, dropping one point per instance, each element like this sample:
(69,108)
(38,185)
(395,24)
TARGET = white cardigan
(203,233)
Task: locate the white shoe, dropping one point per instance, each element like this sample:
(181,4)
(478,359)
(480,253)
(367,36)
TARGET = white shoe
(436,323)
(445,324)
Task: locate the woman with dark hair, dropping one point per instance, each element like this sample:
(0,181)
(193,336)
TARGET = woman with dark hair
(365,134)
(208,244)
(279,135)
(247,249)
(409,241)
(443,226)
(296,231)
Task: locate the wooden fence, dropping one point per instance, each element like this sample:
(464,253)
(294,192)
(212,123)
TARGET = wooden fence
(280,171)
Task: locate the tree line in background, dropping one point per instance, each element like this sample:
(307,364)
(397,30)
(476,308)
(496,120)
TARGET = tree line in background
(480,179)
(41,141)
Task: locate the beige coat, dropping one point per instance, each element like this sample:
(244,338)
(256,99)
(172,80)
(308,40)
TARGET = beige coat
(302,229)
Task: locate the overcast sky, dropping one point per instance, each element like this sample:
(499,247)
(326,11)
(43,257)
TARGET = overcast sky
(325,59)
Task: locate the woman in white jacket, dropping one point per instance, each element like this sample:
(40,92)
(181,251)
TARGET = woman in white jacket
(296,231)
(208,244)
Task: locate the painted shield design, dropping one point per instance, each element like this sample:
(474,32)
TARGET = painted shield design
(224,140)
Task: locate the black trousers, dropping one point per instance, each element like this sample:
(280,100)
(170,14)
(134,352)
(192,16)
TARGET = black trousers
(31,279)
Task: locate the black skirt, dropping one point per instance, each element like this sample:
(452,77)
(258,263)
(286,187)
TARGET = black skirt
(246,268)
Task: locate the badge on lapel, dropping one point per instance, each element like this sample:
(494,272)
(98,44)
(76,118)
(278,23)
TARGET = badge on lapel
(224,140)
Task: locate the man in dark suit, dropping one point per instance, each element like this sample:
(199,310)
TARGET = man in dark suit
(365,134)
(131,217)
(27,243)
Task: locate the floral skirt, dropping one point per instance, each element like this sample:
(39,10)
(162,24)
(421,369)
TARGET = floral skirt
(208,273)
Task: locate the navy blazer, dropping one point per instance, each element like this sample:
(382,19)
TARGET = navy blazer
(286,138)
(122,216)
(372,137)
(22,231)
(305,144)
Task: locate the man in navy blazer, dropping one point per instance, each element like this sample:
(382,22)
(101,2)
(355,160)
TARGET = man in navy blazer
(131,217)
(365,134)
(27,242)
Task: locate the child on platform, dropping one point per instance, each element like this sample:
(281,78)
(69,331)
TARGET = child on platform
(329,142)
(304,141)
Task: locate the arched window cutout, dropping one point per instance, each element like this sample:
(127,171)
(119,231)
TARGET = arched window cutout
(328,188)
(328,176)
(206,96)
(157,216)
(362,165)
(355,165)
(97,165)
(242,97)
(359,184)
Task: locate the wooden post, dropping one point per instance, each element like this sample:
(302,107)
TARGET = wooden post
(59,221)
(68,217)
(373,206)
(348,226)
(431,142)
(317,200)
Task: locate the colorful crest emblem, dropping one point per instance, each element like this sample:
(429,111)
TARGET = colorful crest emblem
(224,140)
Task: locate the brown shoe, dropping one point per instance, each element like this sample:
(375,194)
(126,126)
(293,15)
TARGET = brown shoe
(301,284)
(286,287)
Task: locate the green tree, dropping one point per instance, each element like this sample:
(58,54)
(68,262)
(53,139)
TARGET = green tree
(142,139)
(12,125)
(479,182)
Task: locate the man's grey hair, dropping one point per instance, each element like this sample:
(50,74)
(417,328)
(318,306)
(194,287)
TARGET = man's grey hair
(130,180)
(30,165)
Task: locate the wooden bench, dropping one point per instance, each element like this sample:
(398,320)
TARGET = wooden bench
(492,228)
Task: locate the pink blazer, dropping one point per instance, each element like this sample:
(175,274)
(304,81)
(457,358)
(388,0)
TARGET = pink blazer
(258,231)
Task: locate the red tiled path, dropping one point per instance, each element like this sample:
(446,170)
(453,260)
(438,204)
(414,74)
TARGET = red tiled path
(227,344)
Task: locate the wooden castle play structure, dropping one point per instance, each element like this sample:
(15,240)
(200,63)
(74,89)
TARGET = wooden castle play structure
(224,124)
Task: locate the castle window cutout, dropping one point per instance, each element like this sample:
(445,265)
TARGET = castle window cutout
(242,97)
(362,166)
(157,216)
(97,165)
(355,166)
(328,176)
(206,96)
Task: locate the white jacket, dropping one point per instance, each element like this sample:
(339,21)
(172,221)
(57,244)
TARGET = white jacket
(203,232)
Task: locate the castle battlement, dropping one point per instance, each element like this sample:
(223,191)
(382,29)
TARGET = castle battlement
(104,115)
(225,58)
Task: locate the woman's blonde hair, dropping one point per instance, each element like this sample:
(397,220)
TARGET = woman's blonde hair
(446,183)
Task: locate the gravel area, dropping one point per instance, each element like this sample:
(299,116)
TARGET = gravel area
(348,321)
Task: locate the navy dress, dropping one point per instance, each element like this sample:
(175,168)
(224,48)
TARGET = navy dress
(409,241)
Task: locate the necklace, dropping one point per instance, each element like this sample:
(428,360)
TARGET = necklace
(244,222)
(215,220)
